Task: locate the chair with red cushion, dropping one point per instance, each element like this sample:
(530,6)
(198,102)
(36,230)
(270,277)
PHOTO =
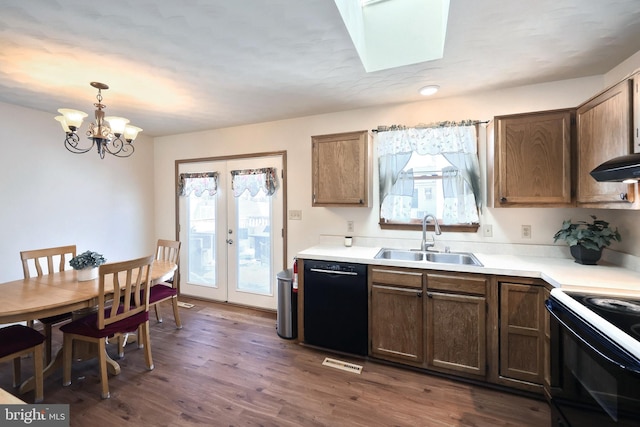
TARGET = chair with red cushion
(167,250)
(123,307)
(33,265)
(17,341)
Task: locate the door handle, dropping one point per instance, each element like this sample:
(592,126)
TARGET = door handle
(230,241)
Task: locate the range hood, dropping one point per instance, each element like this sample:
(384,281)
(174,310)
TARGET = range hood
(619,169)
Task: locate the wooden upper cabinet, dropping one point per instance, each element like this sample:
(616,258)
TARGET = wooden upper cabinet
(605,130)
(532,159)
(636,113)
(342,169)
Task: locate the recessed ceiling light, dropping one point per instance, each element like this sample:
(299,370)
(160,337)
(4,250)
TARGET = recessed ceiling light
(429,90)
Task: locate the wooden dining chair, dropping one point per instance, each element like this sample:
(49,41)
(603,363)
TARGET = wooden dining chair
(38,262)
(17,341)
(123,307)
(167,250)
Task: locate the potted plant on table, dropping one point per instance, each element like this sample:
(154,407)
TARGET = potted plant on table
(86,264)
(586,239)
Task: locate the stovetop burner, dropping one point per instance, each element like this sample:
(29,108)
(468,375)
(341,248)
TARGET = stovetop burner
(622,306)
(623,312)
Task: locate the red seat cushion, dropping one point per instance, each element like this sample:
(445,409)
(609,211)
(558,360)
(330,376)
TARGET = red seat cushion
(160,292)
(17,338)
(88,326)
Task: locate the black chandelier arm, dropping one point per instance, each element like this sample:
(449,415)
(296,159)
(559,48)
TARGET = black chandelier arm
(71,144)
(119,147)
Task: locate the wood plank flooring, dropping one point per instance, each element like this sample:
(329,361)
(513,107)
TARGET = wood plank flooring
(228,367)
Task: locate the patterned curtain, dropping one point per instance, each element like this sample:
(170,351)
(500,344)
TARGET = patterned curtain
(198,183)
(457,143)
(254,180)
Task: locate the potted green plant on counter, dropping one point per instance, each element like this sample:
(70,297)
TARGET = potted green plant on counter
(586,239)
(86,264)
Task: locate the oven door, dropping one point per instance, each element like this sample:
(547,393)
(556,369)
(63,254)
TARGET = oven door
(599,381)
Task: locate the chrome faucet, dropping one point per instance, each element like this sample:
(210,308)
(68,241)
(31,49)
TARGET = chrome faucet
(424,245)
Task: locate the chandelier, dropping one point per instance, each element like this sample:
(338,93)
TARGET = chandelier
(111,135)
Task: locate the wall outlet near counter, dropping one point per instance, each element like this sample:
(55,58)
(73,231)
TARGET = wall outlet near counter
(526,231)
(350,228)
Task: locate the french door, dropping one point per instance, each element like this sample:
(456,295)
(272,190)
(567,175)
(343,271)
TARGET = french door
(231,229)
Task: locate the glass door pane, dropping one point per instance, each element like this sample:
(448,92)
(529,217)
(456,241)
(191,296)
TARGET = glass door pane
(203,233)
(201,225)
(253,221)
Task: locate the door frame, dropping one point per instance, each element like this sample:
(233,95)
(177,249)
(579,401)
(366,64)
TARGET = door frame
(283,181)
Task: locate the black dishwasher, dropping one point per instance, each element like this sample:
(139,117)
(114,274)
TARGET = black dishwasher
(335,306)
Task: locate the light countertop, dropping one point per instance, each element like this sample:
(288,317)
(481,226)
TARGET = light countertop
(559,272)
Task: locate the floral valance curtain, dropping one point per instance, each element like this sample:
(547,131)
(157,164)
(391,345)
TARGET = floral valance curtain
(198,183)
(254,180)
(461,183)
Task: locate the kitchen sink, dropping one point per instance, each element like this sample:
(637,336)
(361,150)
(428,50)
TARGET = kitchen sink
(400,254)
(453,258)
(465,258)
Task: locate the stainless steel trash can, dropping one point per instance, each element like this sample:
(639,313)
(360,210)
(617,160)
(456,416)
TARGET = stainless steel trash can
(287,314)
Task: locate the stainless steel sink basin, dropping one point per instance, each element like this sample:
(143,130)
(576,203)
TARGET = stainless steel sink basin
(465,258)
(400,254)
(453,258)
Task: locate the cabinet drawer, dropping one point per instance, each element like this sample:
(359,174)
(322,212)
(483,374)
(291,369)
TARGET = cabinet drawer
(411,279)
(457,284)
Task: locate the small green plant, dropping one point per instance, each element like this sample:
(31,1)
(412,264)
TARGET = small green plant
(593,235)
(86,260)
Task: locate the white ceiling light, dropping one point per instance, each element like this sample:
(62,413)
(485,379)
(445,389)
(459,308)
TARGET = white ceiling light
(394,33)
(429,90)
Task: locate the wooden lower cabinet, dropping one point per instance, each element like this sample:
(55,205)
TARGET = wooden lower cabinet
(456,324)
(396,320)
(522,332)
(488,328)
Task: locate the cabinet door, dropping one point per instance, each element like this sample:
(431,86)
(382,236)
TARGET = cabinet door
(532,163)
(522,336)
(456,333)
(636,113)
(604,126)
(397,324)
(341,169)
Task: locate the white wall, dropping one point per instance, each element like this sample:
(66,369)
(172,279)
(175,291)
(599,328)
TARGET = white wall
(294,136)
(51,197)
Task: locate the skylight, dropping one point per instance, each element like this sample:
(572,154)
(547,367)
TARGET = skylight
(394,33)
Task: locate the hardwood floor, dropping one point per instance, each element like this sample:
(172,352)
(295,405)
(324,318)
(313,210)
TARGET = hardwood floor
(228,367)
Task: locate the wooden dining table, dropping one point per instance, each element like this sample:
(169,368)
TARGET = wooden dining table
(58,293)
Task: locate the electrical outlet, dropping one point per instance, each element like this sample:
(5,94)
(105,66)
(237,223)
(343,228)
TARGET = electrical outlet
(487,230)
(349,226)
(295,214)
(526,232)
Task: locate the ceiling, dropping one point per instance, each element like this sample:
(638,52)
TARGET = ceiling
(177,67)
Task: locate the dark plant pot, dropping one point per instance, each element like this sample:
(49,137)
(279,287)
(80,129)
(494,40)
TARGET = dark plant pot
(585,256)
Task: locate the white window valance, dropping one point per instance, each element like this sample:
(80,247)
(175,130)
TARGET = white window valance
(198,183)
(254,180)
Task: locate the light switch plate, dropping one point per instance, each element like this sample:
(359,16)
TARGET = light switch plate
(487,230)
(295,214)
